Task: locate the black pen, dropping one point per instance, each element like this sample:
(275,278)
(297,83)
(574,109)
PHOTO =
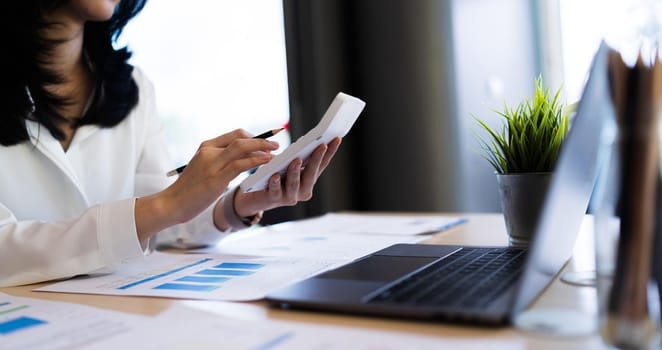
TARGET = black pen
(264,135)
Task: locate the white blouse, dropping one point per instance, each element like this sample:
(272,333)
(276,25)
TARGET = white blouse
(69,213)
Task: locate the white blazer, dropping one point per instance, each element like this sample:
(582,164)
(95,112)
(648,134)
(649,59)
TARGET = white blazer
(69,213)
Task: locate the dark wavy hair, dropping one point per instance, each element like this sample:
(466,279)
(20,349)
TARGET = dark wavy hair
(22,84)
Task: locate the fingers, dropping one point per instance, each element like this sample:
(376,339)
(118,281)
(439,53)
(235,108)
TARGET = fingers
(292,182)
(234,167)
(239,155)
(332,147)
(239,148)
(240,143)
(275,190)
(215,166)
(296,185)
(285,191)
(300,182)
(311,172)
(235,150)
(225,139)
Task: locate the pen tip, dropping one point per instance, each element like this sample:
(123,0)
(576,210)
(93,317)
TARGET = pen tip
(171,173)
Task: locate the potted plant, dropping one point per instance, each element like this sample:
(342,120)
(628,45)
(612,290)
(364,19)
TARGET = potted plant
(523,153)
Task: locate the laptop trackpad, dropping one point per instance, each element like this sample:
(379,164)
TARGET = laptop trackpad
(379,268)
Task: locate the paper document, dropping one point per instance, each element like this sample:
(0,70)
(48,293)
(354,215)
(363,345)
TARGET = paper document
(333,236)
(290,241)
(27,323)
(194,276)
(373,224)
(248,266)
(205,330)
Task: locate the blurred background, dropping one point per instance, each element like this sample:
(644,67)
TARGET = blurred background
(424,67)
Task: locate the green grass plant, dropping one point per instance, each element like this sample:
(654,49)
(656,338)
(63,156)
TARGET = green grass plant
(531,135)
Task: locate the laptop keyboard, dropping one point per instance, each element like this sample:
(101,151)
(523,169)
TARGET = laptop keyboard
(468,278)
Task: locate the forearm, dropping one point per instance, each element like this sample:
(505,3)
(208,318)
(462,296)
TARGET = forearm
(160,211)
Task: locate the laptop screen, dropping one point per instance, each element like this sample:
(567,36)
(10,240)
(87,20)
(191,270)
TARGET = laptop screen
(571,186)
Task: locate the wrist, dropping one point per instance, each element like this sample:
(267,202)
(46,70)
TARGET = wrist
(152,215)
(231,215)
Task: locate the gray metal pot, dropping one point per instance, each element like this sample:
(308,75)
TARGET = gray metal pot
(522,197)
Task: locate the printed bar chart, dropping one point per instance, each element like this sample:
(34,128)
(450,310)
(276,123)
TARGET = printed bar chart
(187,287)
(18,324)
(202,279)
(27,323)
(210,277)
(11,320)
(244,266)
(164,274)
(225,272)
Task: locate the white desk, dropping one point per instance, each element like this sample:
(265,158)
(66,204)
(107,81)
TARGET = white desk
(482,229)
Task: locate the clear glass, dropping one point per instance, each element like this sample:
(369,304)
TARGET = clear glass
(629,314)
(627,207)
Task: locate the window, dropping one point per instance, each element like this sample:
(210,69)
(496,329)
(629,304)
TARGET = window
(624,24)
(217,65)
(581,34)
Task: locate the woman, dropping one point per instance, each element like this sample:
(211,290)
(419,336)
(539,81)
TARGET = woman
(84,186)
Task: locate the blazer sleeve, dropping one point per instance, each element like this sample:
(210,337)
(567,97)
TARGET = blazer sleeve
(33,251)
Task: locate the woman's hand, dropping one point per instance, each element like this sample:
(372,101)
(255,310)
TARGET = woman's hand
(295,187)
(206,176)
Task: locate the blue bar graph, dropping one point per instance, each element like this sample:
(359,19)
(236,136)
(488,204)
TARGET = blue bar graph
(151,278)
(246,266)
(187,287)
(202,279)
(18,324)
(219,272)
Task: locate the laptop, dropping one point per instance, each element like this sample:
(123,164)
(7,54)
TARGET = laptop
(483,285)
